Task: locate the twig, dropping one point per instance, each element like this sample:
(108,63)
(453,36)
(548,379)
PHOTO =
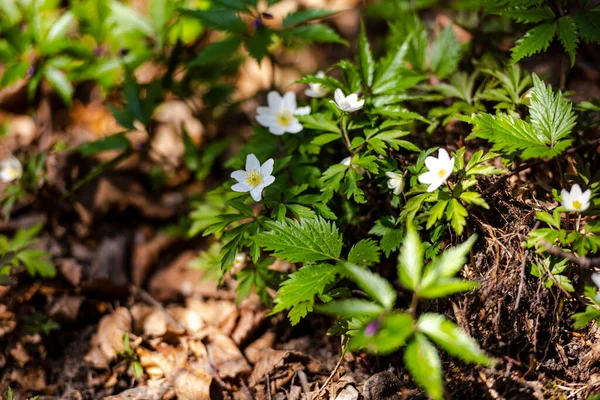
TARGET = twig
(337,366)
(522,282)
(269,386)
(584,263)
(304,384)
(135,290)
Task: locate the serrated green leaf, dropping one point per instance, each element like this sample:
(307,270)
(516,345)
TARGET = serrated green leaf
(588,24)
(445,53)
(258,44)
(410,259)
(318,33)
(351,308)
(531,15)
(425,366)
(535,40)
(372,284)
(216,52)
(365,57)
(299,17)
(550,112)
(389,69)
(36,262)
(307,240)
(300,289)
(451,338)
(567,34)
(365,252)
(474,198)
(457,214)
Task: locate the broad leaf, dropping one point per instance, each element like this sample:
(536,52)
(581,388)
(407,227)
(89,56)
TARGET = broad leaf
(258,43)
(216,52)
(389,69)
(536,40)
(372,284)
(302,241)
(451,338)
(365,252)
(60,82)
(445,53)
(425,366)
(410,259)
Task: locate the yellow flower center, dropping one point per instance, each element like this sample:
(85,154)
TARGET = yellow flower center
(284,118)
(576,204)
(253,178)
(441,173)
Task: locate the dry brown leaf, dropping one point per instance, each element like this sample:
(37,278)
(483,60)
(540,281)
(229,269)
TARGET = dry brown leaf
(254,350)
(221,314)
(223,354)
(146,253)
(20,355)
(154,390)
(65,308)
(30,379)
(108,340)
(192,385)
(8,321)
(70,269)
(279,361)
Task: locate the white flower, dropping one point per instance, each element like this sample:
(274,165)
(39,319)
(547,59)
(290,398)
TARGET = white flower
(576,200)
(279,116)
(255,178)
(316,89)
(10,169)
(439,170)
(348,163)
(348,104)
(596,280)
(396,182)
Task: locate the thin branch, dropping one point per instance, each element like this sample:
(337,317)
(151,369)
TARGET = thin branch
(584,263)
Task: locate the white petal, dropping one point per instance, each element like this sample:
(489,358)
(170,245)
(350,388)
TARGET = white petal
(294,127)
(266,120)
(346,161)
(443,156)
(239,175)
(310,92)
(241,187)
(434,185)
(274,100)
(252,163)
(302,110)
(360,104)
(427,178)
(320,74)
(256,193)
(352,99)
(596,279)
(267,181)
(264,111)
(575,191)
(277,130)
(339,97)
(289,101)
(585,196)
(432,163)
(267,168)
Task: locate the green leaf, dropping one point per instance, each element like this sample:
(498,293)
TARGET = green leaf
(258,44)
(391,335)
(451,338)
(446,287)
(372,284)
(448,264)
(13,72)
(474,198)
(299,290)
(389,69)
(326,138)
(118,141)
(445,53)
(318,33)
(531,15)
(425,366)
(567,34)
(410,259)
(365,252)
(365,57)
(299,17)
(127,17)
(583,318)
(36,262)
(457,214)
(319,122)
(550,112)
(302,241)
(223,20)
(59,81)
(588,24)
(60,28)
(351,308)
(217,52)
(535,40)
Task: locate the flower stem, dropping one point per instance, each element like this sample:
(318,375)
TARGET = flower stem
(414,303)
(345,136)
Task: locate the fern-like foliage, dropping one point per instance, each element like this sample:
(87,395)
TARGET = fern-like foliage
(535,41)
(307,240)
(544,135)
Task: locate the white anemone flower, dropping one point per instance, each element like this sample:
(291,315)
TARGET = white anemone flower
(316,89)
(596,280)
(396,182)
(439,170)
(348,103)
(10,169)
(279,116)
(255,178)
(576,200)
